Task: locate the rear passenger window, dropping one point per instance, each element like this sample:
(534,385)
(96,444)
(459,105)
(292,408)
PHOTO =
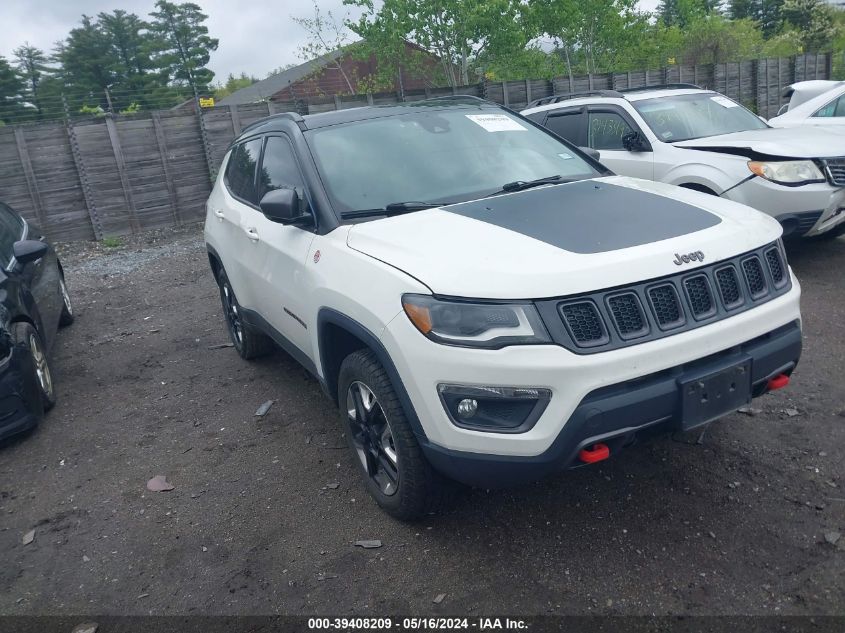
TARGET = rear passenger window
(833,109)
(279,169)
(240,171)
(607,130)
(566,125)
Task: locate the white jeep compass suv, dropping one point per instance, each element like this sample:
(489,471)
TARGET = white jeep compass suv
(486,302)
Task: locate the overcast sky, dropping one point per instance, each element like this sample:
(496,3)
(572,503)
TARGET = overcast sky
(256,36)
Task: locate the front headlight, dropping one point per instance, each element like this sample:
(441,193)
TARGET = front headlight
(787,172)
(472,324)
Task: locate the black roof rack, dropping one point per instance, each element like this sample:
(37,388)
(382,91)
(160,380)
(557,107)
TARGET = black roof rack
(458,97)
(293,116)
(615,94)
(662,87)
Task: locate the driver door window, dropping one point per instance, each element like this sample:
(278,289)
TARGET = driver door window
(606,130)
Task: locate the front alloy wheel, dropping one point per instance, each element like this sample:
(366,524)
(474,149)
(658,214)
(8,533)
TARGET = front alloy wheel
(42,368)
(372,437)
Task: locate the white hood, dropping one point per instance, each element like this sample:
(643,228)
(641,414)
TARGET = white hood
(781,142)
(564,238)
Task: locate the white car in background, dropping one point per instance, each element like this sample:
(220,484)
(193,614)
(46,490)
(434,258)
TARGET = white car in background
(699,139)
(813,103)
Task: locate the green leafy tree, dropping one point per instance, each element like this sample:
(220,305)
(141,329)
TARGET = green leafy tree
(459,32)
(766,13)
(31,63)
(185,46)
(814,20)
(715,39)
(233,84)
(11,87)
(325,36)
(134,77)
(87,63)
(682,12)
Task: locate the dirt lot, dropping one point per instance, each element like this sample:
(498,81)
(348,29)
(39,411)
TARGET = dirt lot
(735,525)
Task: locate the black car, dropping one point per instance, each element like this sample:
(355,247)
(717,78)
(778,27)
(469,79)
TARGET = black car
(34,303)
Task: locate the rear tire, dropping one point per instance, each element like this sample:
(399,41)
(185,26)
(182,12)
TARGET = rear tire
(249,342)
(386,452)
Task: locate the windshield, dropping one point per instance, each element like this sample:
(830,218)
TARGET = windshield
(685,117)
(439,156)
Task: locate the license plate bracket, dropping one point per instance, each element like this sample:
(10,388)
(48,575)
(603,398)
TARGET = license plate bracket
(709,396)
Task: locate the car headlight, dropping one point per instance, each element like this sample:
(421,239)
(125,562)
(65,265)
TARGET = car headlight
(787,172)
(475,324)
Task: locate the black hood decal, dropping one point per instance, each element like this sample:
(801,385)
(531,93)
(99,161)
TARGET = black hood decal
(589,217)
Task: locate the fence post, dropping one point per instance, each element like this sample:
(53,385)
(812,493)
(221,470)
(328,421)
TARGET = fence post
(121,171)
(337,102)
(87,194)
(505,97)
(527,91)
(206,147)
(29,174)
(165,165)
(236,119)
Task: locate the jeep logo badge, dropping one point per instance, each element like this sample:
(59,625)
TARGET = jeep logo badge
(696,256)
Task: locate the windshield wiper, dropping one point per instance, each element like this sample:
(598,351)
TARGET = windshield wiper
(521,185)
(395,208)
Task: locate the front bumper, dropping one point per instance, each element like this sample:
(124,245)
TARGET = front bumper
(620,414)
(807,210)
(422,365)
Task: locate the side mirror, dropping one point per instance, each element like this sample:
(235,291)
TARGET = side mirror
(592,153)
(284,206)
(633,142)
(27,251)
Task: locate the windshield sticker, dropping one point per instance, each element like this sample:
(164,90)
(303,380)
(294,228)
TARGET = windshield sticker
(724,102)
(565,156)
(496,122)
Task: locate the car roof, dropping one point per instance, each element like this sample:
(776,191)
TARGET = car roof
(635,95)
(806,108)
(282,121)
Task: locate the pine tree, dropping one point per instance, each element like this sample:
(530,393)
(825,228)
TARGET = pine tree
(31,63)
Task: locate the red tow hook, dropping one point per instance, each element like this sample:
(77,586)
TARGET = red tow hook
(597,453)
(778,382)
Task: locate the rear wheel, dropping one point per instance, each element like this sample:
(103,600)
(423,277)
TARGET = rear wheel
(66,317)
(247,340)
(395,471)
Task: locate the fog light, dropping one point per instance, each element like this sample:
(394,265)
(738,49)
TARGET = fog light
(496,409)
(467,408)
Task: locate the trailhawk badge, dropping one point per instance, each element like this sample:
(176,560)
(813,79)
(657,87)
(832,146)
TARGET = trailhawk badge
(696,256)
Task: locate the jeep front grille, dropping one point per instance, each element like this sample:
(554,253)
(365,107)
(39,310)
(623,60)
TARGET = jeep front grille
(754,276)
(584,323)
(836,170)
(619,317)
(627,315)
(666,306)
(729,288)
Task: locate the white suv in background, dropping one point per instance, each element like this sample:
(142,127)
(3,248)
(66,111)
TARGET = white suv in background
(814,103)
(482,300)
(702,140)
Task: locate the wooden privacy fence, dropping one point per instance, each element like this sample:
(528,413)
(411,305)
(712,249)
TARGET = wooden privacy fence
(114,175)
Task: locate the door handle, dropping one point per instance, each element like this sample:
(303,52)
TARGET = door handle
(219,213)
(252,234)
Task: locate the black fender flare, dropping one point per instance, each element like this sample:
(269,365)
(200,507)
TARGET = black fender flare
(328,316)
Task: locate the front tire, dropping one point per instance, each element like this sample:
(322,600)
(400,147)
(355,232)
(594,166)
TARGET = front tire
(389,458)
(66,317)
(247,340)
(29,337)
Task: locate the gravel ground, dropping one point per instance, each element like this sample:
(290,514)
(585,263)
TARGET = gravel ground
(739,524)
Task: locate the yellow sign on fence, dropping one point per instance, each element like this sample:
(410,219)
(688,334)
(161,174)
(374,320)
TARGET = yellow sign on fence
(206,102)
